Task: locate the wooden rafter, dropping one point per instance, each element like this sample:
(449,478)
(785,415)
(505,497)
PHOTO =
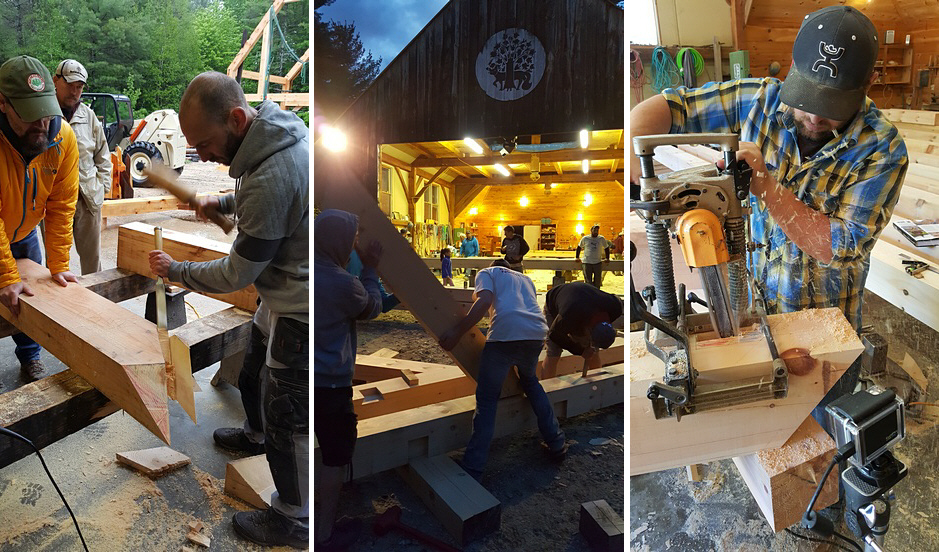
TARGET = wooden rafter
(430,181)
(522,158)
(466,198)
(255,36)
(601,176)
(295,70)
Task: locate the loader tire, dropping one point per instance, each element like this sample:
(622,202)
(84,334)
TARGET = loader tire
(139,156)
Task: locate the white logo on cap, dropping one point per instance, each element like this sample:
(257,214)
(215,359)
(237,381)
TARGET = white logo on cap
(829,53)
(36,82)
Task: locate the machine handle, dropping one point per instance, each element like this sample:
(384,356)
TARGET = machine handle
(645,145)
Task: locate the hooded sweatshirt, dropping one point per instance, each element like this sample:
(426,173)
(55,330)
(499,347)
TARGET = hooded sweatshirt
(272,204)
(339,298)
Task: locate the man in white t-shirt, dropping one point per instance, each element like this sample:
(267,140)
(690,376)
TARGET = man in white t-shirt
(592,245)
(517,331)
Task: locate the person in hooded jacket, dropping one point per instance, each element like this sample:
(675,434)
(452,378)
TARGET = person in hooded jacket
(340,299)
(267,152)
(38,180)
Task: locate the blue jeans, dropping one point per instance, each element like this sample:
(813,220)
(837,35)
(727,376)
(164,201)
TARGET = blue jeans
(497,359)
(27,248)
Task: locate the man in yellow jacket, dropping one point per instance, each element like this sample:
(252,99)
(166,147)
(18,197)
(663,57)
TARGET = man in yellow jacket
(38,180)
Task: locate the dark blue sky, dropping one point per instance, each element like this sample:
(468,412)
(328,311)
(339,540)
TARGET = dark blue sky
(385,26)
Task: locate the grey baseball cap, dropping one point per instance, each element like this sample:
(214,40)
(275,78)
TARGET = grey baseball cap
(833,58)
(71,71)
(27,84)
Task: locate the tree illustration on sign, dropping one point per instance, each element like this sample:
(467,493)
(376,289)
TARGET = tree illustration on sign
(511,63)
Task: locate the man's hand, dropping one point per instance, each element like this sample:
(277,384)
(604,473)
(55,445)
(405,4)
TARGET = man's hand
(759,182)
(370,254)
(9,296)
(203,205)
(63,278)
(450,338)
(577,259)
(160,263)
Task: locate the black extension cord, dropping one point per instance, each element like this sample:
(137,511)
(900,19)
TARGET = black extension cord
(15,435)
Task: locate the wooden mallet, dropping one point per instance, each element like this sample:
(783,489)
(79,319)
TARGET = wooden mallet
(165,178)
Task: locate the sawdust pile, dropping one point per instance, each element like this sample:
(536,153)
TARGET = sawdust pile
(776,461)
(819,330)
(711,484)
(215,494)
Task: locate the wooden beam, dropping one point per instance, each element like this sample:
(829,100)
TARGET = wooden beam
(59,405)
(135,241)
(47,410)
(783,480)
(140,205)
(521,158)
(658,444)
(737,18)
(80,327)
(211,338)
(295,70)
(256,76)
(531,263)
(465,509)
(403,270)
(601,526)
(394,395)
(288,99)
(466,197)
(253,39)
(599,176)
(918,297)
(429,182)
(387,442)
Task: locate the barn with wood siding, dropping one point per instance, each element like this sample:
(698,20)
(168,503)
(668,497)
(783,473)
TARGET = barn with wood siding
(524,75)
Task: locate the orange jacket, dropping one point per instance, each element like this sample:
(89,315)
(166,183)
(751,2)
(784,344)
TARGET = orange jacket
(47,188)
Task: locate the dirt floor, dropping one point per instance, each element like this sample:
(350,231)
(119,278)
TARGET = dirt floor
(540,500)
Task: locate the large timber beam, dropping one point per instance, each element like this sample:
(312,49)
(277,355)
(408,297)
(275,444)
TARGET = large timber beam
(569,178)
(140,205)
(115,284)
(390,441)
(135,241)
(401,268)
(521,158)
(114,349)
(659,444)
(54,407)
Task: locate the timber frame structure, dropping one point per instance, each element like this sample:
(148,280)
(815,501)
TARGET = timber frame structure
(54,407)
(286,99)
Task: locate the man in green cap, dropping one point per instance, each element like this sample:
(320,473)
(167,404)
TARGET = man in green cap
(38,180)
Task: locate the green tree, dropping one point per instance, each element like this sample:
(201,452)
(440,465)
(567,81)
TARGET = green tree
(219,37)
(343,68)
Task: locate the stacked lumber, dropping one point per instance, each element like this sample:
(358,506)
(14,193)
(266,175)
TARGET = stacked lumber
(919,201)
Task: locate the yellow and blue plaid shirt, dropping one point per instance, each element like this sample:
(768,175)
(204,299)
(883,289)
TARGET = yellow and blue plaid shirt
(855,179)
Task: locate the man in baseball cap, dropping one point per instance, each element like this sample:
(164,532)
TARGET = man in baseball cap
(94,166)
(827,165)
(32,133)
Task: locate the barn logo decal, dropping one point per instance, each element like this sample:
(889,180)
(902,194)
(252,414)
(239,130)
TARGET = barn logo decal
(510,65)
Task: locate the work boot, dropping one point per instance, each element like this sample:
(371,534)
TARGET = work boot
(556,456)
(234,439)
(32,370)
(268,528)
(345,532)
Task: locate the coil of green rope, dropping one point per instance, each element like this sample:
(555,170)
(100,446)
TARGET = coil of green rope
(695,56)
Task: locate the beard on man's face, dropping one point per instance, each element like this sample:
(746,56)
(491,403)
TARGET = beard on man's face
(34,142)
(232,143)
(813,137)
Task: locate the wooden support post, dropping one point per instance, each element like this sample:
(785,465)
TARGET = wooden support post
(135,241)
(658,444)
(601,526)
(783,480)
(78,327)
(465,509)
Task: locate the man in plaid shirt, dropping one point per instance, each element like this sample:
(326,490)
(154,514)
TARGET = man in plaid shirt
(827,166)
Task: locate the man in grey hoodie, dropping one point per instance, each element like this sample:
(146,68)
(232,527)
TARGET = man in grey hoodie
(267,151)
(339,299)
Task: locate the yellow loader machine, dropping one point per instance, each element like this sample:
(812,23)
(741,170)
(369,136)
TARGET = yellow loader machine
(137,145)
